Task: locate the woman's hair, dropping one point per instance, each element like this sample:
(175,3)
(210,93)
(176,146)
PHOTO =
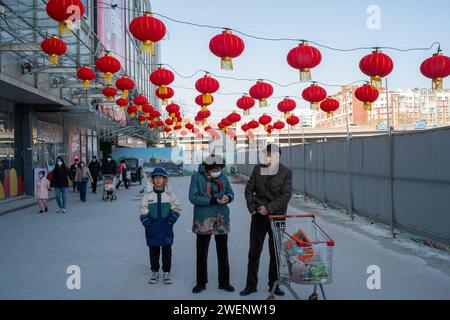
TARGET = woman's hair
(214,161)
(122,161)
(80,163)
(63,163)
(42,172)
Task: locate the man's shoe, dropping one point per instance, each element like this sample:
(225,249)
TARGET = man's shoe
(167,278)
(278,291)
(247,291)
(63,210)
(227,288)
(198,288)
(154,277)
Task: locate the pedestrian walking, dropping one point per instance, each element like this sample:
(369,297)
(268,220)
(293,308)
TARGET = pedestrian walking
(41,191)
(267,192)
(60,181)
(123,175)
(94,169)
(159,209)
(210,193)
(109,166)
(73,172)
(83,177)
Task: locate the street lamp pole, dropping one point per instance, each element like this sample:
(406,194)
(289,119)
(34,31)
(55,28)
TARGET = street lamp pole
(304,159)
(349,157)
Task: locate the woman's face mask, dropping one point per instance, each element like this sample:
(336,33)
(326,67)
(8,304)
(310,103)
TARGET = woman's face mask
(82,165)
(215,174)
(59,163)
(41,176)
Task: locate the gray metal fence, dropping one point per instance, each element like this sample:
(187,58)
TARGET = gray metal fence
(403,181)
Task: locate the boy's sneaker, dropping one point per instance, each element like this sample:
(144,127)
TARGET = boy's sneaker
(167,278)
(154,277)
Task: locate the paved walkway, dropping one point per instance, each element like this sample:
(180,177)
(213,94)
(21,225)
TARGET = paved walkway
(106,240)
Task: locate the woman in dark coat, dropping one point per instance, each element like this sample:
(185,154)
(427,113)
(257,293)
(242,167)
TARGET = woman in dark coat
(60,181)
(210,193)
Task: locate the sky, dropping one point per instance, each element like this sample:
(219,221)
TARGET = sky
(341,24)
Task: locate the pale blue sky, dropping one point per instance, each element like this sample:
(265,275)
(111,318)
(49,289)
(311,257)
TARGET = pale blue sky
(404,24)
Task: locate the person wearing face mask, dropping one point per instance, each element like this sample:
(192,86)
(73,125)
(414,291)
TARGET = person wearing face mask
(82,177)
(210,192)
(41,192)
(109,166)
(73,172)
(94,169)
(60,181)
(267,192)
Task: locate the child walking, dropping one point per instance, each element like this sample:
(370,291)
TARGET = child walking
(160,209)
(41,192)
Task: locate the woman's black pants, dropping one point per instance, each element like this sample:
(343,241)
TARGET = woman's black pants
(222,258)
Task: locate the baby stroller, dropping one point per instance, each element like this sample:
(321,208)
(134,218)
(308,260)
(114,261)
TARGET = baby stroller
(109,187)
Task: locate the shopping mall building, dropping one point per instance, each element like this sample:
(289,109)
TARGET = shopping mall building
(44,110)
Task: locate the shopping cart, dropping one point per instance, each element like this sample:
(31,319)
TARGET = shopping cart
(304,253)
(109,187)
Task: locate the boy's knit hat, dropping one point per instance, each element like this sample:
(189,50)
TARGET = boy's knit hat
(159,172)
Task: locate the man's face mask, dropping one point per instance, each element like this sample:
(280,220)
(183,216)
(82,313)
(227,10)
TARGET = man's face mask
(109,159)
(215,174)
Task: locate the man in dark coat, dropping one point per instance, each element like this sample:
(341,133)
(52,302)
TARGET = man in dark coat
(267,193)
(109,166)
(94,168)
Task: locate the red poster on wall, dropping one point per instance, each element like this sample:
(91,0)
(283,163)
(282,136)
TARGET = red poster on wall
(111,28)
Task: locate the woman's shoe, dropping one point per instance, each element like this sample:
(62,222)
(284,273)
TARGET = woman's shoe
(58,210)
(154,277)
(46,209)
(41,211)
(247,291)
(167,278)
(63,210)
(227,288)
(198,288)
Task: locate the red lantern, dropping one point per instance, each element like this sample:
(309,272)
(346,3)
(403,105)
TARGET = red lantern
(108,65)
(122,103)
(168,129)
(329,105)
(140,101)
(269,130)
(234,117)
(159,124)
(367,94)
(314,94)
(110,92)
(142,118)
(245,103)
(304,58)
(293,120)
(226,46)
(189,126)
(261,91)
(436,68)
(162,78)
(132,110)
(177,127)
(203,115)
(155,114)
(87,75)
(147,109)
(66,12)
(207,85)
(148,30)
(376,65)
(286,106)
(253,124)
(264,120)
(169,121)
(200,98)
(245,127)
(172,109)
(226,123)
(169,93)
(151,125)
(54,47)
(279,125)
(125,84)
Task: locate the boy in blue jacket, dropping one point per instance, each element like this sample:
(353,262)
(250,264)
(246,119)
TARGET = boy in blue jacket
(159,209)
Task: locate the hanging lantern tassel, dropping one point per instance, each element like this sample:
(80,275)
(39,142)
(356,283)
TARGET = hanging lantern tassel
(132,115)
(86,83)
(140,108)
(108,77)
(147,46)
(438,84)
(314,106)
(246,112)
(329,115)
(226,63)
(110,98)
(367,106)
(266,127)
(172,115)
(165,102)
(207,99)
(305,75)
(263,103)
(65,27)
(53,59)
(125,94)
(376,82)
(287,115)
